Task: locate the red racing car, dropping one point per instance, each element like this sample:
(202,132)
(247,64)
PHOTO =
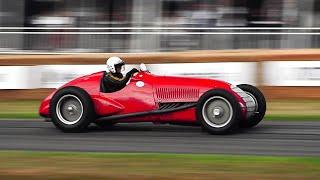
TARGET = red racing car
(217,106)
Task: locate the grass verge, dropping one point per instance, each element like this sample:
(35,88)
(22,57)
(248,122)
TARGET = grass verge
(69,165)
(295,110)
(23,109)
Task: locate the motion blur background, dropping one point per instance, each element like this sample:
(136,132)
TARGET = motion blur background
(272,44)
(23,14)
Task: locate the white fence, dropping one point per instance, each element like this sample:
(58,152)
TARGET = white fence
(53,76)
(275,73)
(292,73)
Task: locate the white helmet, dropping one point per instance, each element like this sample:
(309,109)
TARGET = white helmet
(112,62)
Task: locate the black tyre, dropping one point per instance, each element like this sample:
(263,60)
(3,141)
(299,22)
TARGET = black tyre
(104,124)
(71,109)
(260,109)
(218,112)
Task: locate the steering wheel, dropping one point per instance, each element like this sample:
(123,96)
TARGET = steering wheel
(143,67)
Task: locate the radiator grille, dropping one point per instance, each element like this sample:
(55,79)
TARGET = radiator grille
(250,103)
(177,94)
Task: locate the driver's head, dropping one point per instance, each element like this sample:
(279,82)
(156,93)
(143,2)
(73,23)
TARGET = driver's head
(115,65)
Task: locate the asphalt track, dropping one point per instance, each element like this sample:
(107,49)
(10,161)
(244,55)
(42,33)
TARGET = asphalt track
(269,138)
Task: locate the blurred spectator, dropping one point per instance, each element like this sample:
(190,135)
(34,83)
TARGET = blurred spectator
(146,13)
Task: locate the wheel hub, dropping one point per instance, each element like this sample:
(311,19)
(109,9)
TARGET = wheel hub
(71,109)
(218,112)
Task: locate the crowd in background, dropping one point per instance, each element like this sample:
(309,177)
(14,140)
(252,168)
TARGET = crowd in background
(161,13)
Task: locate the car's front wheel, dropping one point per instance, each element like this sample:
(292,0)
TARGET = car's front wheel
(218,112)
(71,109)
(260,108)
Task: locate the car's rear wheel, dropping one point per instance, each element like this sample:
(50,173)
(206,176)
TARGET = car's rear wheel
(71,109)
(218,112)
(260,108)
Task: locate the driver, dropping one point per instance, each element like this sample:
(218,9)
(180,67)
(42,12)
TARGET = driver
(114,80)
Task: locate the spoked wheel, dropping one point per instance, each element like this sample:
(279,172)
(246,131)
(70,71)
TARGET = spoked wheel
(260,108)
(71,109)
(218,112)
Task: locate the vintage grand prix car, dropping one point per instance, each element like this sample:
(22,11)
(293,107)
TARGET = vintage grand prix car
(217,106)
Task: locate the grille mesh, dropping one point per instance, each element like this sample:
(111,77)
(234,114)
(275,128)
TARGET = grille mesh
(177,94)
(250,103)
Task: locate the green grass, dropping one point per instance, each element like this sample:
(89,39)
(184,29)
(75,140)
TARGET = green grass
(24,109)
(70,165)
(25,115)
(288,117)
(276,110)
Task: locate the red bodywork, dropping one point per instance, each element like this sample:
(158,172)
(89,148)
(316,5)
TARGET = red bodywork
(153,90)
